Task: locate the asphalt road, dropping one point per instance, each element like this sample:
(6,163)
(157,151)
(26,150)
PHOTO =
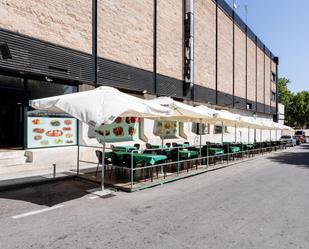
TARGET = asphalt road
(262,203)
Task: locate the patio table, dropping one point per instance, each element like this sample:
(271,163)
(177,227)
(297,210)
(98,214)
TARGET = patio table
(216,151)
(124,148)
(188,153)
(157,146)
(234,149)
(147,158)
(249,146)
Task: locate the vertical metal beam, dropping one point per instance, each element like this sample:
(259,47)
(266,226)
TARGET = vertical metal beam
(155,11)
(94,41)
(189,49)
(246,65)
(276,59)
(256,75)
(233,56)
(216,51)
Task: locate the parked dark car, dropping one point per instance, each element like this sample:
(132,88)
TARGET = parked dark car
(301,135)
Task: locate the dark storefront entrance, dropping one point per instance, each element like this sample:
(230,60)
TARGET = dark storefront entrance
(15,93)
(11,112)
(11,118)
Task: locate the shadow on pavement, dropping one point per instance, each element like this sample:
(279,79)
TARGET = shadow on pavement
(297,158)
(50,194)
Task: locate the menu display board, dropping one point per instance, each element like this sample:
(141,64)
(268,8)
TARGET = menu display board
(51,131)
(167,129)
(123,129)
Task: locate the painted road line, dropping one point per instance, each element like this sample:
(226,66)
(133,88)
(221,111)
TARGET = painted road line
(36,212)
(93,197)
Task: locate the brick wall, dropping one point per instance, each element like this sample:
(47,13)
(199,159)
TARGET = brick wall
(267,82)
(170,38)
(240,63)
(67,23)
(260,78)
(125,31)
(225,53)
(205,43)
(251,54)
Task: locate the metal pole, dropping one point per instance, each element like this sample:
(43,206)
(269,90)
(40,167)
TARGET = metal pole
(261,135)
(199,130)
(276,135)
(132,171)
(94,40)
(222,133)
(103,159)
(235,133)
(270,135)
(162,137)
(77,165)
(248,134)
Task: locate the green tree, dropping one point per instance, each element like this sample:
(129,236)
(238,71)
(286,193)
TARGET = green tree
(296,105)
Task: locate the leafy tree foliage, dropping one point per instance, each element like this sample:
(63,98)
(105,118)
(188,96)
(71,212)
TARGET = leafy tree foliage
(296,105)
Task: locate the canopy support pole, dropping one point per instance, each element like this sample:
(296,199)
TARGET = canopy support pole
(261,135)
(222,133)
(103,159)
(270,135)
(199,130)
(162,137)
(276,135)
(248,134)
(235,133)
(77,165)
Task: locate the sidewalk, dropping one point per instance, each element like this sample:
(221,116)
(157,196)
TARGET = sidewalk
(27,177)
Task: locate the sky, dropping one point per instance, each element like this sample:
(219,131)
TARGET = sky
(283,26)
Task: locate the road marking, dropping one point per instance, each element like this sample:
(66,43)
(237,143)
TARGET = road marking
(36,212)
(93,197)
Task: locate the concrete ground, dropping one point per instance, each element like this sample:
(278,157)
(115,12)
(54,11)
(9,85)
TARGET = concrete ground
(261,203)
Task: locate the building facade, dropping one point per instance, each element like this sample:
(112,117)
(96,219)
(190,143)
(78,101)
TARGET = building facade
(197,51)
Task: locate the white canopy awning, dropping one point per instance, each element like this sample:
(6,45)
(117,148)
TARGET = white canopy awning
(245,121)
(183,112)
(101,106)
(227,118)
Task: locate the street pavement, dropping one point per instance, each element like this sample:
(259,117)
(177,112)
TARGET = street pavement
(263,203)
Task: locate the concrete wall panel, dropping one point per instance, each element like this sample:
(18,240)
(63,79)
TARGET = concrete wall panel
(225,53)
(205,43)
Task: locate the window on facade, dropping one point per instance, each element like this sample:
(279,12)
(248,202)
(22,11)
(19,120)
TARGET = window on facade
(218,129)
(42,89)
(273,96)
(249,106)
(200,129)
(273,76)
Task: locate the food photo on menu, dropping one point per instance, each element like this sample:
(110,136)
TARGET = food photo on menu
(51,131)
(122,129)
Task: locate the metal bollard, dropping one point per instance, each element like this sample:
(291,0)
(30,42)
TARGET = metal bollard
(54,170)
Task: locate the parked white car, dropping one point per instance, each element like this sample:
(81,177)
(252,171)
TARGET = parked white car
(288,140)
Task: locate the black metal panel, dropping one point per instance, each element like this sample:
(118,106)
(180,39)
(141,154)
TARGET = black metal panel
(251,34)
(225,99)
(260,107)
(123,76)
(204,94)
(225,7)
(240,103)
(267,109)
(33,56)
(240,23)
(167,86)
(273,110)
(259,44)
(267,51)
